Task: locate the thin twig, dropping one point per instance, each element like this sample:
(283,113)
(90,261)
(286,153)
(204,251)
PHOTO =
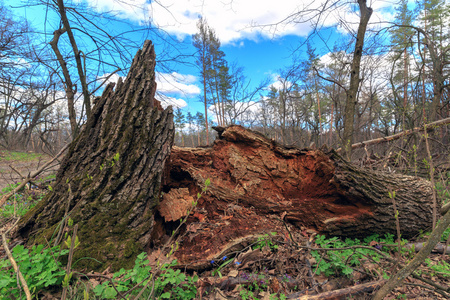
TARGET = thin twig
(69,263)
(30,177)
(432,283)
(13,262)
(64,220)
(428,288)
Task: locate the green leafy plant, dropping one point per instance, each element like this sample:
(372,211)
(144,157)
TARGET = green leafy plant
(265,241)
(40,268)
(115,159)
(221,266)
(169,284)
(442,267)
(246,294)
(255,283)
(335,262)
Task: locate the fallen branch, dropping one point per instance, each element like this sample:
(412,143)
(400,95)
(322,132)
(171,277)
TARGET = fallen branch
(396,136)
(445,208)
(30,177)
(337,294)
(433,284)
(398,278)
(13,262)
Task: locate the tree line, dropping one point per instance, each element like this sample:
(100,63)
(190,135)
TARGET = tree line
(376,82)
(402,82)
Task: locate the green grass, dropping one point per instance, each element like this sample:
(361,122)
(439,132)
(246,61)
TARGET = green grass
(19,156)
(20,203)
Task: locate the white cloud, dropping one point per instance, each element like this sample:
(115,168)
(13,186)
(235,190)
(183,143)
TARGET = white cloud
(126,9)
(279,82)
(167,101)
(168,83)
(175,83)
(109,78)
(234,20)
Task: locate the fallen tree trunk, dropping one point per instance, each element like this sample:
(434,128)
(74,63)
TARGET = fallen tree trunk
(427,127)
(256,183)
(109,181)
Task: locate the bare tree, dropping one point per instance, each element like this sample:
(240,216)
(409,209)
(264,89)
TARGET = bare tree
(350,104)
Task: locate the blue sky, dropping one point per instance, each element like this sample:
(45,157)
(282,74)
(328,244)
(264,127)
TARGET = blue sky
(245,27)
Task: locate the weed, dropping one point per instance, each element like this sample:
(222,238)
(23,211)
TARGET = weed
(170,284)
(39,266)
(274,297)
(265,241)
(342,261)
(441,267)
(255,283)
(222,265)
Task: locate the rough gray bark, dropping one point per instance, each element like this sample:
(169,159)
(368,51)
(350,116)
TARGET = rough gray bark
(350,103)
(110,178)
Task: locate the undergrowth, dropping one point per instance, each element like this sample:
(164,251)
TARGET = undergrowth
(19,203)
(44,270)
(41,268)
(168,284)
(20,156)
(337,262)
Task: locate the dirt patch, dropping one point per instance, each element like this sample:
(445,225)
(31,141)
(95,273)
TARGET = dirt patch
(25,163)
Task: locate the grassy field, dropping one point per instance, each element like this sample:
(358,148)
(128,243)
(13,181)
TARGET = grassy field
(10,156)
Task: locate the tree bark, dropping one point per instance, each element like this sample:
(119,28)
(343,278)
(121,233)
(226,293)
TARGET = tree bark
(68,84)
(350,103)
(256,185)
(110,178)
(77,54)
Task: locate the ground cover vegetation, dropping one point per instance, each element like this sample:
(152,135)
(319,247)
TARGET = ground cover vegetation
(404,87)
(274,266)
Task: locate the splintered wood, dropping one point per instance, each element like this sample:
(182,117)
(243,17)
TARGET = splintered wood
(258,185)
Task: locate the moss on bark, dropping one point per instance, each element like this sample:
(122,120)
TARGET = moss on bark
(113,171)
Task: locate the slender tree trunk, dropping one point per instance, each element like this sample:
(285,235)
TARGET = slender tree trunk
(405,87)
(320,114)
(77,53)
(206,106)
(68,85)
(331,125)
(350,104)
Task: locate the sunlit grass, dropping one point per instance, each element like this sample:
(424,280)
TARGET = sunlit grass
(19,156)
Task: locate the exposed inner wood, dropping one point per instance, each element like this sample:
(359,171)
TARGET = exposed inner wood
(256,185)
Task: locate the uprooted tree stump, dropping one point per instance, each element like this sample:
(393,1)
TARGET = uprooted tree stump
(257,185)
(109,181)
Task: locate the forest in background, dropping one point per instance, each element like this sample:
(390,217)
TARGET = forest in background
(48,88)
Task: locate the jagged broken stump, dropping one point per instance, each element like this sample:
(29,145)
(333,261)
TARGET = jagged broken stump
(109,181)
(256,185)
